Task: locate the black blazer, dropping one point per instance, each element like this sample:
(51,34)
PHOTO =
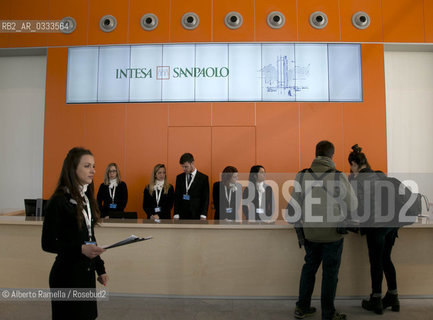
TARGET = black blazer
(165,203)
(62,235)
(199,197)
(104,199)
(250,211)
(220,201)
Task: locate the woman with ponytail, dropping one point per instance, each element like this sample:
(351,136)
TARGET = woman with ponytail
(68,231)
(380,240)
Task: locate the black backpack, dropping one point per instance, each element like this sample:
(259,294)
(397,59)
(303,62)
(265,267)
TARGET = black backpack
(407,205)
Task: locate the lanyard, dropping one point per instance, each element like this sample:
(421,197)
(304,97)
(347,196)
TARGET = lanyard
(158,196)
(229,195)
(112,195)
(260,196)
(188,186)
(88,217)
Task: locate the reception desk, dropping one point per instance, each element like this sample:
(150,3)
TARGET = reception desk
(213,260)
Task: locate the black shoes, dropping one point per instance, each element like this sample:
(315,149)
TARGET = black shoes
(391,300)
(374,304)
(301,314)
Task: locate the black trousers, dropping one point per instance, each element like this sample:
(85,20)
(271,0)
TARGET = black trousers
(329,255)
(380,242)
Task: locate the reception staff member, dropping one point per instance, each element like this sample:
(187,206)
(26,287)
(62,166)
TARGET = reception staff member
(70,216)
(191,199)
(227,195)
(112,193)
(158,196)
(261,204)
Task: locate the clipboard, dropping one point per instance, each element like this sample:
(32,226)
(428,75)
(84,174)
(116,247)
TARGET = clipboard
(129,240)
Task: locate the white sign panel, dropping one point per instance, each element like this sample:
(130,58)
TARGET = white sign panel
(215,72)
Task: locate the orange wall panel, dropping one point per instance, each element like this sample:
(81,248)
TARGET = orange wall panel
(100,8)
(321,121)
(289,32)
(428,21)
(232,146)
(277,132)
(203,8)
(233,114)
(77,9)
(373,74)
(358,124)
(189,114)
(104,130)
(26,9)
(138,8)
(64,124)
(365,123)
(5,14)
(223,34)
(403,20)
(146,137)
(350,33)
(331,32)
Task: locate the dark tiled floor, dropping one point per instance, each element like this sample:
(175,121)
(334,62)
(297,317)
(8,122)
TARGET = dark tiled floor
(213,309)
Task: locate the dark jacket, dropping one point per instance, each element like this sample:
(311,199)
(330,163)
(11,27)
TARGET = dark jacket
(165,203)
(368,211)
(199,197)
(250,211)
(221,203)
(62,235)
(104,199)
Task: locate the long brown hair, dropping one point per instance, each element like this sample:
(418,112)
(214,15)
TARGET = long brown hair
(151,184)
(68,183)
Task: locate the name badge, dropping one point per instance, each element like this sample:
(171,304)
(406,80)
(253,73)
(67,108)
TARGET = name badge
(113,205)
(90,242)
(260,210)
(229,210)
(158,209)
(185,197)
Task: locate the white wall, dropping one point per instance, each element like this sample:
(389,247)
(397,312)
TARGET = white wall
(22,108)
(409,116)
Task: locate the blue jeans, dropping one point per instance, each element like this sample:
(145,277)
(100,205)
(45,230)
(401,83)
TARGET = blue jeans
(329,254)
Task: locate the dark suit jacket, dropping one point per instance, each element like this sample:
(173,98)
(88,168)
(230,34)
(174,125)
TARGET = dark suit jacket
(199,197)
(220,201)
(63,235)
(104,199)
(165,203)
(250,212)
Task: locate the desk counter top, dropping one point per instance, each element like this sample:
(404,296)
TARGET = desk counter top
(184,224)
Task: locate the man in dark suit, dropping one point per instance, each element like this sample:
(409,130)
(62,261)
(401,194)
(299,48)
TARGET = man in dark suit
(191,200)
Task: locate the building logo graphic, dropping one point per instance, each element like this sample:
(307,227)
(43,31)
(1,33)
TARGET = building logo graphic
(162,73)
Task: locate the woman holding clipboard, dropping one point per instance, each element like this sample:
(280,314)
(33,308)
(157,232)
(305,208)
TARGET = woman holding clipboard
(68,231)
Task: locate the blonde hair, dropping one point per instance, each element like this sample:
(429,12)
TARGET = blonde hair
(151,184)
(107,177)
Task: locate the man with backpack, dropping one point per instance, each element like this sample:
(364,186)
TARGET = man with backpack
(325,196)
